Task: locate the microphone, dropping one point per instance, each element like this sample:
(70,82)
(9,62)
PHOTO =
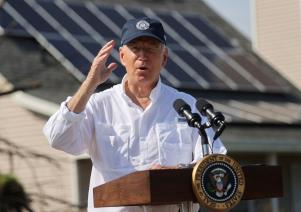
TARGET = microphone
(216,119)
(184,110)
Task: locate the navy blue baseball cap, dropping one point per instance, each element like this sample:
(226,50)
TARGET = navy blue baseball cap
(139,27)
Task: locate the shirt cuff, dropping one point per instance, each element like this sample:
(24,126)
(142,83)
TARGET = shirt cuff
(69,115)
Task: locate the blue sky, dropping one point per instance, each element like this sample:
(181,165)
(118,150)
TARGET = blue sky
(237,12)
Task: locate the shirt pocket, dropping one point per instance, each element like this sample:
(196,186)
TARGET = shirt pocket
(174,143)
(112,142)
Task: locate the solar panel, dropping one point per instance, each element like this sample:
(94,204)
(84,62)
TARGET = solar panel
(205,72)
(239,80)
(114,14)
(179,74)
(11,26)
(187,35)
(258,111)
(209,31)
(249,63)
(135,13)
(63,18)
(89,14)
(32,16)
(200,56)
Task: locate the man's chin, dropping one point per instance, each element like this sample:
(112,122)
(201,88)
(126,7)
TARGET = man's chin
(142,78)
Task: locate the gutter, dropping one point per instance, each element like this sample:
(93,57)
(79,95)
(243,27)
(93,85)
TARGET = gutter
(35,104)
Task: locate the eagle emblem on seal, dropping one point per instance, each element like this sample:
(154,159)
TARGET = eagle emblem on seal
(219,182)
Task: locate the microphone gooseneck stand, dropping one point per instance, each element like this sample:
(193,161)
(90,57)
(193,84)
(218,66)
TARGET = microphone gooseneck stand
(195,120)
(205,143)
(188,205)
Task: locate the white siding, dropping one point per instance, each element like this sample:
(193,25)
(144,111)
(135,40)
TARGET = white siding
(278,36)
(48,181)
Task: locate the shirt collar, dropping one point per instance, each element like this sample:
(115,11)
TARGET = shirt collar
(154,95)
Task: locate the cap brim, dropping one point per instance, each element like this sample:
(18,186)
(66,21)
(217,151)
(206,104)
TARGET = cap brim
(142,34)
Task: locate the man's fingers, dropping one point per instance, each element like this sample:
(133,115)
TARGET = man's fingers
(112,66)
(104,53)
(99,62)
(106,48)
(103,58)
(111,42)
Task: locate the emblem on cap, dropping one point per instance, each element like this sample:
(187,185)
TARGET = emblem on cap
(142,25)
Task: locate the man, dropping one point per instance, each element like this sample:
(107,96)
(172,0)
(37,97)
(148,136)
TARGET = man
(132,125)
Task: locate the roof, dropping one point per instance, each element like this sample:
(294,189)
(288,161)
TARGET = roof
(207,56)
(24,62)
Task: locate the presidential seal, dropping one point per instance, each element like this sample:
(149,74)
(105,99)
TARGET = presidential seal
(218,182)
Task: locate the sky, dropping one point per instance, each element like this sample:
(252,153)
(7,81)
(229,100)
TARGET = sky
(237,12)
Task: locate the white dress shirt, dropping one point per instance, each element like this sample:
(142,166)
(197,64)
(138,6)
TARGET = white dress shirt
(121,137)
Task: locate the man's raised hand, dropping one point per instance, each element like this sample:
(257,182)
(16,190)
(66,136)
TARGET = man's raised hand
(99,71)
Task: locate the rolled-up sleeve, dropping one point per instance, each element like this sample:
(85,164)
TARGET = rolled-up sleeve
(69,131)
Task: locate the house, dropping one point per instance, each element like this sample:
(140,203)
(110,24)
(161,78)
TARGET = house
(277,36)
(53,42)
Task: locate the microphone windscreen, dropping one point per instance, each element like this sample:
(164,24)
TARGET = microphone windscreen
(202,105)
(179,104)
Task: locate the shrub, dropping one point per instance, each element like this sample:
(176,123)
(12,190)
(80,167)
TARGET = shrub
(12,195)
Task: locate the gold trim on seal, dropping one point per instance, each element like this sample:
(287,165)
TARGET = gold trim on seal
(218,193)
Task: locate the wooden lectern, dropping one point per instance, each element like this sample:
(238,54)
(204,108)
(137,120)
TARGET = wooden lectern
(173,186)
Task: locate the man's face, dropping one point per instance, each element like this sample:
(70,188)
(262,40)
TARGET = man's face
(143,59)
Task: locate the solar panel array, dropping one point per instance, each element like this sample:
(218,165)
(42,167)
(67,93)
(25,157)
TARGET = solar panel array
(259,111)
(200,56)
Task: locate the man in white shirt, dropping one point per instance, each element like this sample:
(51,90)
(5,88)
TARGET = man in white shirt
(131,126)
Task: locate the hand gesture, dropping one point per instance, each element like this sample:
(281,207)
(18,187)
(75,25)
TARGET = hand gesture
(99,72)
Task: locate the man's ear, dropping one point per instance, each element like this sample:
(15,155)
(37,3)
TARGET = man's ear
(121,55)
